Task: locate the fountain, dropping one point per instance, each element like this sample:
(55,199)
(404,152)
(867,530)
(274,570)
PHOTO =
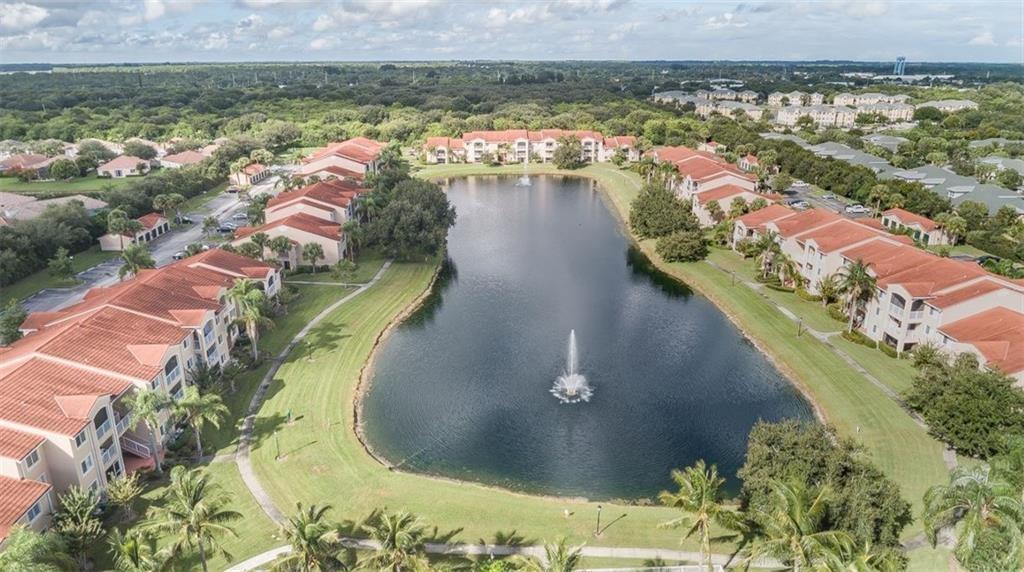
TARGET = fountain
(523,181)
(571,386)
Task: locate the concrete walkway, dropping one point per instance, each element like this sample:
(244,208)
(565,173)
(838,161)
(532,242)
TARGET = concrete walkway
(242,451)
(948,456)
(317,283)
(503,550)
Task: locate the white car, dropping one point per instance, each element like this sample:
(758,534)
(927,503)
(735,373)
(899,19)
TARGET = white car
(239,216)
(857,209)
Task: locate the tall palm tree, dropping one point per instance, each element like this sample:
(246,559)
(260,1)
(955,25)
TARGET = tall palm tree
(738,207)
(260,239)
(401,538)
(137,552)
(558,557)
(766,248)
(668,173)
(354,234)
(193,513)
(699,497)
(858,285)
(828,289)
(118,223)
(135,258)
(646,168)
(250,303)
(198,410)
(877,196)
(77,523)
(312,251)
(861,558)
(791,527)
(714,209)
(978,503)
(26,550)
(280,245)
(146,406)
(789,272)
(315,540)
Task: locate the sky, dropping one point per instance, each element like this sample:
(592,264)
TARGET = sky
(110,31)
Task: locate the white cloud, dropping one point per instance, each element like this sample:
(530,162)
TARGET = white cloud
(153,9)
(279,32)
(19,15)
(726,20)
(323,22)
(867,8)
(1014,42)
(983,39)
(323,43)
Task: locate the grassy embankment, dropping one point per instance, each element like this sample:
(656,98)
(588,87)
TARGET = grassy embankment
(42,279)
(88,185)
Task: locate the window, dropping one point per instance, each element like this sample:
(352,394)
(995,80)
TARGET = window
(32,459)
(34,512)
(95,485)
(80,438)
(87,465)
(155,383)
(43,478)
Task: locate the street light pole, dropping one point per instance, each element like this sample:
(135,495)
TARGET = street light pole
(277,446)
(597,529)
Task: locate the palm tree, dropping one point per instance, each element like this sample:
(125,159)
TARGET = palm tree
(28,551)
(169,203)
(828,289)
(77,523)
(250,304)
(122,491)
(668,173)
(146,406)
(861,558)
(193,513)
(765,249)
(117,223)
(646,168)
(558,557)
(316,541)
(791,527)
(135,257)
(280,245)
(715,211)
(260,239)
(312,252)
(354,234)
(198,410)
(789,272)
(699,496)
(738,207)
(979,504)
(953,225)
(878,195)
(858,285)
(137,552)
(401,538)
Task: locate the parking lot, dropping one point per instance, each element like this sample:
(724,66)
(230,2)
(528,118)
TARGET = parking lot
(802,195)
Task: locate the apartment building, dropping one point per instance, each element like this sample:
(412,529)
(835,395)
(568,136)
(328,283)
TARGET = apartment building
(726,94)
(892,112)
(728,108)
(64,386)
(724,196)
(154,225)
(949,105)
(920,298)
(858,99)
(821,115)
(313,214)
(795,98)
(123,166)
(350,159)
(183,159)
(522,145)
(922,229)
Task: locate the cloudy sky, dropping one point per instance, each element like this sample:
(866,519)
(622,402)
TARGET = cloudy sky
(62,31)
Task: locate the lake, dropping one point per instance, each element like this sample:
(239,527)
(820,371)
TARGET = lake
(462,388)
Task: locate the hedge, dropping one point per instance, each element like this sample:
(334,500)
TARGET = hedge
(859,338)
(779,287)
(807,295)
(835,311)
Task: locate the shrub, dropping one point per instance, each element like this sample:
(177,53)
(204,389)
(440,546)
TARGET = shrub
(656,212)
(682,246)
(889,350)
(779,287)
(836,312)
(859,338)
(803,293)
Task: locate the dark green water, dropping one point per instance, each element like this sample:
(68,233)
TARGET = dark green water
(461,389)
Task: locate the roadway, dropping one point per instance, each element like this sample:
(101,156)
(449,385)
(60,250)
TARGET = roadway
(163,249)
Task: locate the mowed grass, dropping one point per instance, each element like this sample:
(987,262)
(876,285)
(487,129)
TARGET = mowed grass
(88,185)
(42,279)
(323,461)
(368,262)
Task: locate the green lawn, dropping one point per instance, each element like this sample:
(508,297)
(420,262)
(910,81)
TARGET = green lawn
(897,374)
(33,283)
(368,262)
(90,184)
(959,249)
(199,201)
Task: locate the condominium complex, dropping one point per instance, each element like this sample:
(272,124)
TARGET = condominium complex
(64,386)
(726,94)
(729,108)
(795,98)
(892,112)
(857,99)
(821,115)
(920,297)
(949,105)
(315,214)
(521,145)
(350,159)
(704,178)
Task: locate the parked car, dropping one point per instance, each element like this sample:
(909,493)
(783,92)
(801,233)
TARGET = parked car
(230,225)
(179,255)
(857,209)
(232,189)
(829,196)
(225,229)
(240,216)
(181,219)
(801,205)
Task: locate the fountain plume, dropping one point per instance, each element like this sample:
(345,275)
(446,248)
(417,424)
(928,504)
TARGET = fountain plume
(572,386)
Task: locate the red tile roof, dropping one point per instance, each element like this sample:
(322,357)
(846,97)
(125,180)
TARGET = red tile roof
(228,264)
(721,193)
(338,193)
(299,221)
(16,497)
(968,292)
(16,444)
(23,161)
(254,169)
(48,395)
(770,213)
(805,221)
(907,218)
(358,149)
(998,334)
(620,141)
(151,220)
(703,169)
(185,158)
(122,162)
(339,172)
(839,234)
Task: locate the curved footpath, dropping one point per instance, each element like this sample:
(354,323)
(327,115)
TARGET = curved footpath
(242,453)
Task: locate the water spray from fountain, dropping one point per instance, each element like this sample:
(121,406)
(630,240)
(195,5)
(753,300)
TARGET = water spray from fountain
(524,181)
(572,386)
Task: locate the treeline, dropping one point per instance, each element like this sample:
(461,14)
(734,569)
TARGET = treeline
(27,245)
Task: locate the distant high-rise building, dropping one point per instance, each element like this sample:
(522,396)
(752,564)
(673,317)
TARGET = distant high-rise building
(900,66)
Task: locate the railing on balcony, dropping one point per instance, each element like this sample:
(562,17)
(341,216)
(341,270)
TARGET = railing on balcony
(124,423)
(178,393)
(134,447)
(208,336)
(103,429)
(895,309)
(174,374)
(917,315)
(108,455)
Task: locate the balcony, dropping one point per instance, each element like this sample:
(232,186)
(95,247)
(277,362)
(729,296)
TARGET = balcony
(134,447)
(209,336)
(896,310)
(178,392)
(174,374)
(124,424)
(108,455)
(103,429)
(917,314)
